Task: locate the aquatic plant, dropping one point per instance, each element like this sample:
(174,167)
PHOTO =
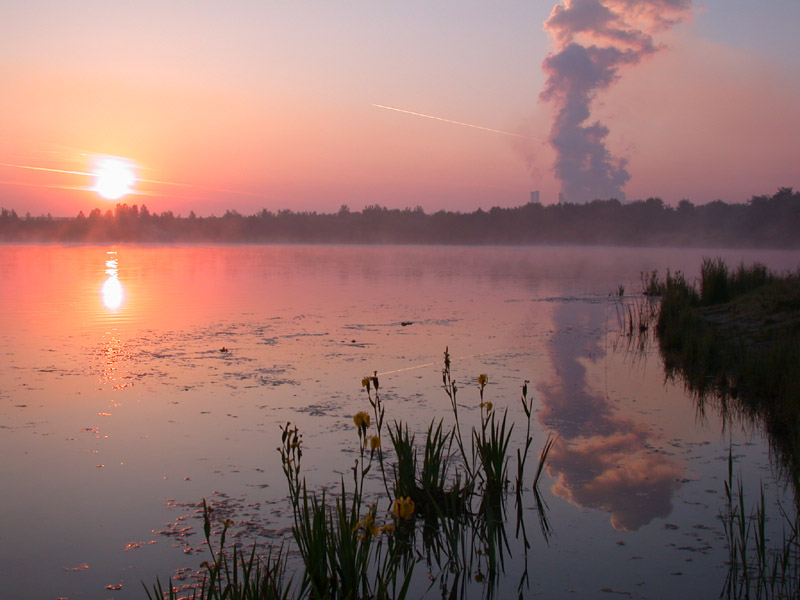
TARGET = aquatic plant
(757,567)
(651,284)
(349,547)
(234,576)
(734,339)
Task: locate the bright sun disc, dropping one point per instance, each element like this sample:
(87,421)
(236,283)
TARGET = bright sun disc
(114,179)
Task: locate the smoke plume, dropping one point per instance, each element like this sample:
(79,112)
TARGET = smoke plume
(594,40)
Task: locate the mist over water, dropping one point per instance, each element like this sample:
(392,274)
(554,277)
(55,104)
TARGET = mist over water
(120,413)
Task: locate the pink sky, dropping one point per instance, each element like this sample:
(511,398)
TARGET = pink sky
(271,106)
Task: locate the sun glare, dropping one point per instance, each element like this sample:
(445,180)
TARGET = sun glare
(113,179)
(112,293)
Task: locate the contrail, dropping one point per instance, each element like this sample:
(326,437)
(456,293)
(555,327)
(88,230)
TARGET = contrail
(410,112)
(45,185)
(44,169)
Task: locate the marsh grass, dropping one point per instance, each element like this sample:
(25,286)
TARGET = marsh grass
(719,284)
(443,504)
(759,567)
(734,339)
(651,284)
(636,314)
(733,335)
(405,465)
(491,442)
(232,575)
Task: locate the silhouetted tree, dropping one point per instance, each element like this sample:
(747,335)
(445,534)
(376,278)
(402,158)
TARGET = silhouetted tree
(769,221)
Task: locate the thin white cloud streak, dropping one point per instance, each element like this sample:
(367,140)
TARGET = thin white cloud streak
(416,114)
(46,169)
(47,185)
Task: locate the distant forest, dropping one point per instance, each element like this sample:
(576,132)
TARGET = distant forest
(763,221)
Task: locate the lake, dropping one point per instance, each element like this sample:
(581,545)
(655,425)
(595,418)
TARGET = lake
(120,411)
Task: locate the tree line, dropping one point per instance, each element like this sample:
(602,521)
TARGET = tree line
(764,221)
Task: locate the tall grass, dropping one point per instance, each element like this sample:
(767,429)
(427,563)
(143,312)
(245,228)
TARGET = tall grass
(234,576)
(734,339)
(759,567)
(719,284)
(443,502)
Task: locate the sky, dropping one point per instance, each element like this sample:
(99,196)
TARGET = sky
(288,105)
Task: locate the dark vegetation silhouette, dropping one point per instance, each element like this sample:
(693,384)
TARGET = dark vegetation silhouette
(763,221)
(733,338)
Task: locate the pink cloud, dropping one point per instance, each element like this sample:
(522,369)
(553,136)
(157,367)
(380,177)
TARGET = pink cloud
(602,459)
(615,474)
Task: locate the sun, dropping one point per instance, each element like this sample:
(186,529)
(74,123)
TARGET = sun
(113,178)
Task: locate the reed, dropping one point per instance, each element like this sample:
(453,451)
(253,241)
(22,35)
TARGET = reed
(232,575)
(433,477)
(714,282)
(405,465)
(651,284)
(758,568)
(453,492)
(734,338)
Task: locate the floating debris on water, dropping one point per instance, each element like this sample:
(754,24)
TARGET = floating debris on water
(137,545)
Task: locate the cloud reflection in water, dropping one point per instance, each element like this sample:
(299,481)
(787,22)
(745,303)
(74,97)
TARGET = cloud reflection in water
(602,459)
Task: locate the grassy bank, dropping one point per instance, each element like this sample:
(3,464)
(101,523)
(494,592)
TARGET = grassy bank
(734,336)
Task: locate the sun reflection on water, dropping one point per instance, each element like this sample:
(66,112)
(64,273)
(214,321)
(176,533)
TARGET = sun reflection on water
(112,348)
(112,290)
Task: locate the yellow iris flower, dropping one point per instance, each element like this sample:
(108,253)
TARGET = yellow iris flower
(361,419)
(403,508)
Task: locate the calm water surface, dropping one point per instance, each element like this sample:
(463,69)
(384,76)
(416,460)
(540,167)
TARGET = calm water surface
(119,413)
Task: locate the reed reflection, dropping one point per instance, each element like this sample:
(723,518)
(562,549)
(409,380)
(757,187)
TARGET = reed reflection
(112,291)
(602,459)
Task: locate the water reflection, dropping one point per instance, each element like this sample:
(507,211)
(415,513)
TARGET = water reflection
(112,353)
(112,290)
(112,348)
(601,460)
(289,314)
